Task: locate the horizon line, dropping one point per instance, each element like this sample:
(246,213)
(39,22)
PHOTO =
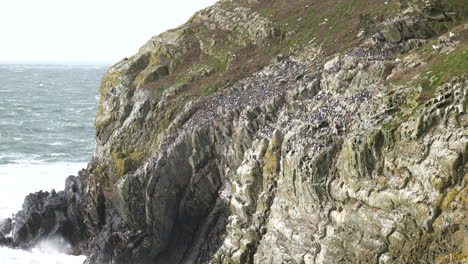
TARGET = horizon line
(59,62)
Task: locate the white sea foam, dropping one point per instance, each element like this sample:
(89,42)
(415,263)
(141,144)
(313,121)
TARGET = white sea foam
(58,154)
(18,180)
(37,255)
(44,137)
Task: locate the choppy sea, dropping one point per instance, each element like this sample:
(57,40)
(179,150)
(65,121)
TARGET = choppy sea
(46,134)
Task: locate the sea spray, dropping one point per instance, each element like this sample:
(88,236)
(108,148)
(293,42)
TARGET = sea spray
(18,180)
(46,134)
(48,251)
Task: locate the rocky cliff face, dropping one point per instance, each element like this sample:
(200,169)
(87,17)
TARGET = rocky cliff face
(266,131)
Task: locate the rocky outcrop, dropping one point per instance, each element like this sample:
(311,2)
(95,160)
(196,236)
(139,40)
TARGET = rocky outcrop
(321,153)
(45,215)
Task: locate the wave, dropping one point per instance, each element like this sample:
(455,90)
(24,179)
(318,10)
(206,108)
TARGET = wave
(47,252)
(18,180)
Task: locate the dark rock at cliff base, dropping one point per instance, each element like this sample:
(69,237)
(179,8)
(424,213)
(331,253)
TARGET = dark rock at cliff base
(6,241)
(5,226)
(43,215)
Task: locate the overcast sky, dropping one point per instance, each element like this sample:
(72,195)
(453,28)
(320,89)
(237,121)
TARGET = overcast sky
(85,31)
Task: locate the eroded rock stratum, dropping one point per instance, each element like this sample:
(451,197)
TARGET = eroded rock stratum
(277,132)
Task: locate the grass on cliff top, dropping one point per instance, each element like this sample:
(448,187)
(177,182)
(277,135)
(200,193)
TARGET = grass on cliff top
(440,67)
(334,24)
(299,21)
(422,81)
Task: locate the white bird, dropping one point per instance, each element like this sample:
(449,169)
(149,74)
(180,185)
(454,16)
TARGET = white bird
(435,47)
(451,34)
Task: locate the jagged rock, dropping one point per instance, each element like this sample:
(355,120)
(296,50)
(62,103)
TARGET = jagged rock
(391,31)
(43,214)
(6,226)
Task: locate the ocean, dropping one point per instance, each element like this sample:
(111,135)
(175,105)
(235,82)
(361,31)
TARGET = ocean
(46,134)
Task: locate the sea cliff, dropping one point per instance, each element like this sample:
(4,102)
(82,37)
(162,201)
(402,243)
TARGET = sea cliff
(269,131)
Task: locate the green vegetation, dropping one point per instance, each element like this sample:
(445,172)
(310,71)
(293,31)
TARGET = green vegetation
(220,60)
(442,68)
(334,24)
(211,88)
(459,7)
(229,55)
(160,91)
(420,84)
(126,160)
